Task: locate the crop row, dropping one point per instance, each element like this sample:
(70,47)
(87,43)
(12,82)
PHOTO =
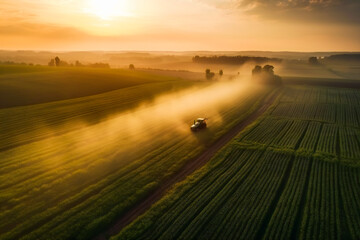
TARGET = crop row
(282,224)
(349,183)
(309,136)
(328,140)
(264,131)
(231,206)
(349,143)
(236,164)
(345,96)
(332,203)
(243,214)
(201,207)
(321,219)
(309,141)
(279,133)
(340,114)
(292,136)
(321,95)
(348,115)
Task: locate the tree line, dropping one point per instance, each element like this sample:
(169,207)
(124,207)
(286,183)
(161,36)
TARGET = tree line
(57,62)
(234,60)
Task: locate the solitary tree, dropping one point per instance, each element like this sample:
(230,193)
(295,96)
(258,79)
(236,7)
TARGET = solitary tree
(257,69)
(57,61)
(131,67)
(269,69)
(221,72)
(208,74)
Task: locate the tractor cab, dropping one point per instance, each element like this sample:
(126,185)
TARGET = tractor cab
(199,123)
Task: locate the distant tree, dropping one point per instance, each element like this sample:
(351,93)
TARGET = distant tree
(257,69)
(313,61)
(208,74)
(269,69)
(78,64)
(221,72)
(57,61)
(196,58)
(265,75)
(52,63)
(131,67)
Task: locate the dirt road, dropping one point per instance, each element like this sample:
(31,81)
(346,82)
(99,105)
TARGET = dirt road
(186,170)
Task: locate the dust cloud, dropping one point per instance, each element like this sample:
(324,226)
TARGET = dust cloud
(168,118)
(174,113)
(129,136)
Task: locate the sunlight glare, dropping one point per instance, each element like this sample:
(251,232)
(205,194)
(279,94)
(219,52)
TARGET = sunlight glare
(108,9)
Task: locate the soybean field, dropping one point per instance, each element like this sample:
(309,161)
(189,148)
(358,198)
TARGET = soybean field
(293,174)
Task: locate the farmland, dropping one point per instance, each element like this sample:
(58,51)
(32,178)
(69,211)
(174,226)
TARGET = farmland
(69,167)
(180,120)
(293,174)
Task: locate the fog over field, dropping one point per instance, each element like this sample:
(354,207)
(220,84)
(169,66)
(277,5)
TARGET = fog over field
(292,64)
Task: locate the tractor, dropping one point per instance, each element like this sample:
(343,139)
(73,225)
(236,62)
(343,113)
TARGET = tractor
(199,124)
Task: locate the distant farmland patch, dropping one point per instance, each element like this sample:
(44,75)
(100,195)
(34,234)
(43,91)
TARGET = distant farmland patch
(26,85)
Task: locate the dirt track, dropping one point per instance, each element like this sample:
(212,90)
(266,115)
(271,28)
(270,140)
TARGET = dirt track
(186,170)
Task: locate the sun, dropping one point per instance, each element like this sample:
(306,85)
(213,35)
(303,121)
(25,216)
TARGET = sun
(107,9)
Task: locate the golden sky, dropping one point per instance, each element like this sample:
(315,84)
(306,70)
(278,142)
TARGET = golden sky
(273,25)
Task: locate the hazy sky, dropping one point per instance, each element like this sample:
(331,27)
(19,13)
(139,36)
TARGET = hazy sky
(274,25)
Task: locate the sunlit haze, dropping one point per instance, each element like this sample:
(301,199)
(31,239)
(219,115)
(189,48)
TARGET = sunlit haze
(180,25)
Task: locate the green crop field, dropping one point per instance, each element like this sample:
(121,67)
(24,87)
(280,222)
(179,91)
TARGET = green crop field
(72,164)
(293,174)
(70,167)
(180,120)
